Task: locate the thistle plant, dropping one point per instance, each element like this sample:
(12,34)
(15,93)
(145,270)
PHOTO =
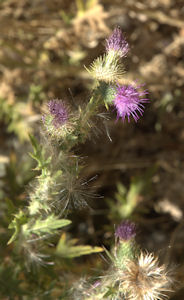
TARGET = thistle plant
(58,187)
(133,274)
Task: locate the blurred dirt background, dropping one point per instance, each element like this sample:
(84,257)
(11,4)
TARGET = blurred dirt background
(44,46)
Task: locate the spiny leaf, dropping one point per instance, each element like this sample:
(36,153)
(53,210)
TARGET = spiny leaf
(49,225)
(68,249)
(19,219)
(39,155)
(34,143)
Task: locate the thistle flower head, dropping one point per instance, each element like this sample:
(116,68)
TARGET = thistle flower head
(106,68)
(57,120)
(129,102)
(126,230)
(144,279)
(59,112)
(117,43)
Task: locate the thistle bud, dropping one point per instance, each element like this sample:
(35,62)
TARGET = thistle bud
(126,248)
(126,231)
(108,67)
(116,43)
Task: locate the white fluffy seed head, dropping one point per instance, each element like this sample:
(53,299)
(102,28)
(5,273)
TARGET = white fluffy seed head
(144,279)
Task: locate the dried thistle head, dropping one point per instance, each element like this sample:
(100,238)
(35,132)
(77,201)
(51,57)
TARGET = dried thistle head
(144,279)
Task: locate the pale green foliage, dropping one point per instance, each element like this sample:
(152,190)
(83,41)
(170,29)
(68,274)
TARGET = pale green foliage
(68,248)
(26,226)
(39,221)
(40,197)
(36,93)
(126,199)
(48,225)
(55,185)
(16,224)
(13,115)
(39,156)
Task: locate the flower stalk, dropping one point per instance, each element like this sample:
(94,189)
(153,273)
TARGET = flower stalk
(58,188)
(138,276)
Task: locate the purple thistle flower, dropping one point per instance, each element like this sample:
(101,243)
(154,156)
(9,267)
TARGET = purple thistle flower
(117,43)
(58,110)
(126,230)
(128,101)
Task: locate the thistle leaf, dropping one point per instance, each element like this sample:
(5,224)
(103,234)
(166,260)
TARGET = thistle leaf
(19,219)
(69,249)
(47,226)
(39,155)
